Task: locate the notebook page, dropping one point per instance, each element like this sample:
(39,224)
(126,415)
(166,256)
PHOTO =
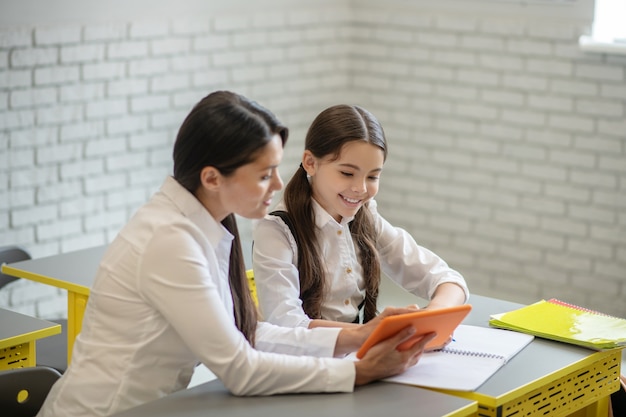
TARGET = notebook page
(474,355)
(449,371)
(498,342)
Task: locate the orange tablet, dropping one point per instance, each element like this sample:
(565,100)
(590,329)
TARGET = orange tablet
(443,321)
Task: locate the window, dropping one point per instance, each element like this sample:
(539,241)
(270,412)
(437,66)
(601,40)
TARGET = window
(609,28)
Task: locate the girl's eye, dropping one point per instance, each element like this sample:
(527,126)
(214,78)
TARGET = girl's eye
(346,174)
(373,178)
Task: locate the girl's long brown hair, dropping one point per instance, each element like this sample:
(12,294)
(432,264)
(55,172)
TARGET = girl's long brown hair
(226,130)
(329,132)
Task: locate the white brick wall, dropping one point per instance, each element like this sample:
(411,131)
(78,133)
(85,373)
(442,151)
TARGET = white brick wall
(507,144)
(507,166)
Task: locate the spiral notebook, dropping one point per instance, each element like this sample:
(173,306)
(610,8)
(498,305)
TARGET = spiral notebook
(470,359)
(557,320)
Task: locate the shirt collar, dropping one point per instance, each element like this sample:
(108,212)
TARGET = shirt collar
(322,217)
(191,208)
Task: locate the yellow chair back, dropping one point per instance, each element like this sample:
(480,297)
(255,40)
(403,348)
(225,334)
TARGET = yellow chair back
(252,285)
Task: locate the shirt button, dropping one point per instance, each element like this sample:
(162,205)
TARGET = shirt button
(349,270)
(339,232)
(346,301)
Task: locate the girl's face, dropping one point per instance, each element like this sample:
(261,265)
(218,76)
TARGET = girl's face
(343,185)
(248,192)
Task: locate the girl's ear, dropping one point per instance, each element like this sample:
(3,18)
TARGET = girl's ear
(309,163)
(210,178)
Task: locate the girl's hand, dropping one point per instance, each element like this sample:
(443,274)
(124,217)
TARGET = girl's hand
(352,336)
(364,330)
(384,360)
(391,311)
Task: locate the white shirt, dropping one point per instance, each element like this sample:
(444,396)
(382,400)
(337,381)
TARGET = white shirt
(161,303)
(275,259)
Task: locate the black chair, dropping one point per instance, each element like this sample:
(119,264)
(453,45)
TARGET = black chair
(52,350)
(23,390)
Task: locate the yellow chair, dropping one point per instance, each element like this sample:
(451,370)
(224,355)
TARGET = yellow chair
(252,285)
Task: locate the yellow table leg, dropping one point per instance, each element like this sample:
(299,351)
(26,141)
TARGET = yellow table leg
(76,304)
(32,354)
(598,409)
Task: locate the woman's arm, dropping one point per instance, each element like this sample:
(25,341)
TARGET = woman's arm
(182,281)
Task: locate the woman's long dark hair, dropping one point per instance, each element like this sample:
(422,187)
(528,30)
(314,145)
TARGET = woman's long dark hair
(329,132)
(226,130)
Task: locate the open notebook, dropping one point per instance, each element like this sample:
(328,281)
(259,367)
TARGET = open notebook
(468,361)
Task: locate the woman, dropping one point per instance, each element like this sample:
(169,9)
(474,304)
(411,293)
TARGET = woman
(171,289)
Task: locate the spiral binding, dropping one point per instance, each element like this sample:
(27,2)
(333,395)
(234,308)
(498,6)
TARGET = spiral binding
(579,308)
(471,353)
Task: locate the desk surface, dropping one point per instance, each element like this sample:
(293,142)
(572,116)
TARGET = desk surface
(73,271)
(16,328)
(375,400)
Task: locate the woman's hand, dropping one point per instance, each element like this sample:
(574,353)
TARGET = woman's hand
(384,359)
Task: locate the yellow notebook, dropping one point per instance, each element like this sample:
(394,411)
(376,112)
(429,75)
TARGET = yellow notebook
(556,320)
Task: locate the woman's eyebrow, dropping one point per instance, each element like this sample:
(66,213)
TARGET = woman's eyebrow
(269,166)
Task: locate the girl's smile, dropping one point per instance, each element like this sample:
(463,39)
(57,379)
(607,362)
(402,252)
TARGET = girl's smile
(341,185)
(351,202)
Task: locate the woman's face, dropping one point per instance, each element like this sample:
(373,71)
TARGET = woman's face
(249,190)
(343,185)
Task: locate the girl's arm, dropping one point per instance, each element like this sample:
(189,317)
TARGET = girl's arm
(415,268)
(316,323)
(447,295)
(274,260)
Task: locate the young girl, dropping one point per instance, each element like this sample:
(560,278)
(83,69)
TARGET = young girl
(325,266)
(171,289)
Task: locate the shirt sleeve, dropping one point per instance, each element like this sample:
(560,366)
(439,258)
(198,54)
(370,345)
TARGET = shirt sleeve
(297,341)
(414,267)
(274,261)
(179,280)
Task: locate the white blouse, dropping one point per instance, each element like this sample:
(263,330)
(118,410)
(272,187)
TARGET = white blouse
(161,303)
(275,259)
